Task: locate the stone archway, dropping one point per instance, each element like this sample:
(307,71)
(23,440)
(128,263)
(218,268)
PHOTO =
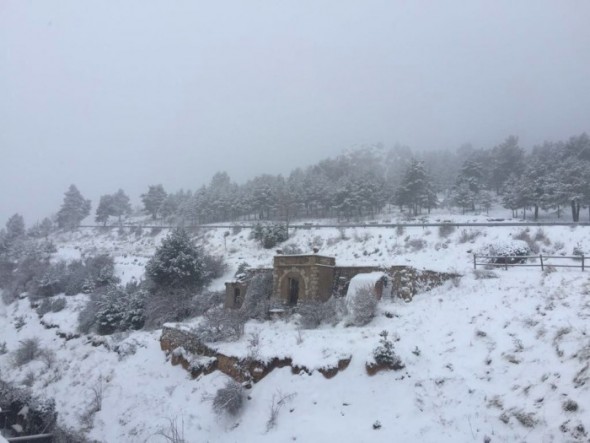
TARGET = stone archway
(292,287)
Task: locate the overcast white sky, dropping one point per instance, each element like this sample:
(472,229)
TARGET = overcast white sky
(109,94)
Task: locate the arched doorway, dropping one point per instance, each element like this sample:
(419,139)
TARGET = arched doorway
(293,291)
(292,288)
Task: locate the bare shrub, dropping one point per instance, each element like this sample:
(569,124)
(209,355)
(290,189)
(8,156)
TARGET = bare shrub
(87,416)
(229,399)
(362,305)
(3,349)
(445,230)
(214,266)
(44,307)
(87,316)
(278,401)
(19,322)
(29,379)
(416,244)
(524,235)
(483,274)
(399,230)
(299,337)
(291,249)
(256,299)
(168,307)
(527,419)
(468,236)
(221,324)
(317,312)
(173,432)
(28,350)
(58,304)
(207,300)
(47,356)
(541,236)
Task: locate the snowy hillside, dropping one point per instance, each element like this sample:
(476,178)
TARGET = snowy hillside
(492,356)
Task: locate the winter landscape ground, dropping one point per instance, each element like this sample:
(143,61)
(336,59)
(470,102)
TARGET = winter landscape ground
(491,356)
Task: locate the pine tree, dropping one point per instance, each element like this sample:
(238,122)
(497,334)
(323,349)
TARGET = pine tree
(15,227)
(105,209)
(120,204)
(153,199)
(73,210)
(416,189)
(177,263)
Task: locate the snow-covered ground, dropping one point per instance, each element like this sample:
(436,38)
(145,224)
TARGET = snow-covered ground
(501,358)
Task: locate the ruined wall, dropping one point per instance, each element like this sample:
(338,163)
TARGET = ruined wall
(232,299)
(325,282)
(241,284)
(407,281)
(186,350)
(343,275)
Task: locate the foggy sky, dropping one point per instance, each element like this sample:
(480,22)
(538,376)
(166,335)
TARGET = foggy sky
(109,94)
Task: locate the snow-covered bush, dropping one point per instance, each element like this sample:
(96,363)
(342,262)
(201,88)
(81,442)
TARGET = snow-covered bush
(361,305)
(41,416)
(80,276)
(578,251)
(256,299)
(416,244)
(113,309)
(384,354)
(510,252)
(270,235)
(53,281)
(445,230)
(119,311)
(27,351)
(51,305)
(229,399)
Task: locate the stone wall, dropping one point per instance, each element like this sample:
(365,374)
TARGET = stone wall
(186,350)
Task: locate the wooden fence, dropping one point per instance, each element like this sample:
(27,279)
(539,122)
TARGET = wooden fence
(503,261)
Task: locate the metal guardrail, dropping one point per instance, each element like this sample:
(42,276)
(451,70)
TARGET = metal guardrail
(504,261)
(342,225)
(30,438)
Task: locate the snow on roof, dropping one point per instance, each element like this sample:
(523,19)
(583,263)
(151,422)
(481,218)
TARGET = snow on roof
(363,280)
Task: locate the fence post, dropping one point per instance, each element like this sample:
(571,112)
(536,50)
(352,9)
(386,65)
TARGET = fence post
(582,262)
(541,257)
(474,261)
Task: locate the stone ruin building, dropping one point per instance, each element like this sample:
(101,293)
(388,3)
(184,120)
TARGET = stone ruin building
(302,278)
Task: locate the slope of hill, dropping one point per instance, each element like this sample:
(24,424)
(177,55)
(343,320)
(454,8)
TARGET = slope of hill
(492,356)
